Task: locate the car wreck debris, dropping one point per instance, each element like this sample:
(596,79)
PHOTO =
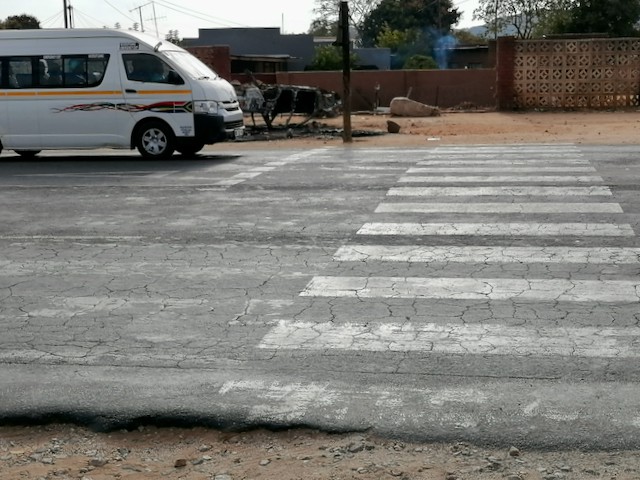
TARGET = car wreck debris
(272,100)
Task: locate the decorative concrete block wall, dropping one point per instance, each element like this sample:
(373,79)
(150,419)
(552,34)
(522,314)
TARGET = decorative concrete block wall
(595,73)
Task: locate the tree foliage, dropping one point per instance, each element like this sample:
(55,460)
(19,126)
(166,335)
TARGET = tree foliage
(428,18)
(534,18)
(324,27)
(617,18)
(395,40)
(327,12)
(174,37)
(521,15)
(328,57)
(465,37)
(19,22)
(420,62)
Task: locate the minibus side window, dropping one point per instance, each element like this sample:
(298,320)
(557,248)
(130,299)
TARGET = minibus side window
(144,67)
(51,71)
(84,70)
(75,71)
(20,72)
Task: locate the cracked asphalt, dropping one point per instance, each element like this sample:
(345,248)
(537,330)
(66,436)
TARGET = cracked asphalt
(313,288)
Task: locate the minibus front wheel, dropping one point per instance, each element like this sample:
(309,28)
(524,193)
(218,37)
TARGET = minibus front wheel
(155,140)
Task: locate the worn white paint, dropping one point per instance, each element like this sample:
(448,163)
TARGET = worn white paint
(487,254)
(478,339)
(502,179)
(532,191)
(501,169)
(499,207)
(529,229)
(614,291)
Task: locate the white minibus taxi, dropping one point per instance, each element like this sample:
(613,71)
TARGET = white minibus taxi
(97,88)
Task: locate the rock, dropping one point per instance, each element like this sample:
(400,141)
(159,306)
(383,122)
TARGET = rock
(405,107)
(355,447)
(222,476)
(392,127)
(514,452)
(180,463)
(97,462)
(265,462)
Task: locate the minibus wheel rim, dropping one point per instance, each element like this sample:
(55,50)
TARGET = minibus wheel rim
(155,141)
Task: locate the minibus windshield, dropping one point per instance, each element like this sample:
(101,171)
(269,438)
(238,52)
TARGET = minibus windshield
(190,65)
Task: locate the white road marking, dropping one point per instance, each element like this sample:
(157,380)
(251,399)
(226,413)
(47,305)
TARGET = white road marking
(500,207)
(499,191)
(502,160)
(500,229)
(456,339)
(502,179)
(616,291)
(501,169)
(487,255)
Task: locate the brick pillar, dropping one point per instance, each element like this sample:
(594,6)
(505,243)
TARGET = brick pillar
(505,68)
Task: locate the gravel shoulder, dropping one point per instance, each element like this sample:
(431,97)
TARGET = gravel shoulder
(67,452)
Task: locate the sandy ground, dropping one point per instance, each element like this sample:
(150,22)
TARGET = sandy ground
(70,452)
(454,127)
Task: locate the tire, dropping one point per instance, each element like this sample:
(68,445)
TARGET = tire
(27,153)
(155,140)
(189,149)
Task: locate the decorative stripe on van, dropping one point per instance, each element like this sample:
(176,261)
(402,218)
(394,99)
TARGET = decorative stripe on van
(162,107)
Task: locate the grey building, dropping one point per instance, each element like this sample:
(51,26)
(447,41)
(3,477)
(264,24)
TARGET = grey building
(259,42)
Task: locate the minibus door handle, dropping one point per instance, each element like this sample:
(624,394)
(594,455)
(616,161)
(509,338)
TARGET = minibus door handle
(131,90)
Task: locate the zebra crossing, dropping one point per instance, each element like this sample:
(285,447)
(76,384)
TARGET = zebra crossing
(482,185)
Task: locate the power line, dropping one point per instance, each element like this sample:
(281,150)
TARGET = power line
(119,11)
(198,15)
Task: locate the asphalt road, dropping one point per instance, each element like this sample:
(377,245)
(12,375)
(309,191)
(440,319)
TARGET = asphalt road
(481,293)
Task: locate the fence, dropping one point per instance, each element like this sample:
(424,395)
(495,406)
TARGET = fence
(568,73)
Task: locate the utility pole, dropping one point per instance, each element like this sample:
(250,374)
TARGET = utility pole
(344,42)
(140,14)
(64,11)
(155,18)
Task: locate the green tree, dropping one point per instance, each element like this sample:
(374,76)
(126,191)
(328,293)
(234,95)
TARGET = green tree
(521,15)
(617,18)
(465,37)
(429,19)
(20,22)
(323,27)
(396,40)
(554,19)
(327,12)
(328,57)
(174,37)
(420,62)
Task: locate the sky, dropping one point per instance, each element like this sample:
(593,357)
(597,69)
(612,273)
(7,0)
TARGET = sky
(185,16)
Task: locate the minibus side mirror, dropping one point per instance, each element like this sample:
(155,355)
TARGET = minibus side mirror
(174,79)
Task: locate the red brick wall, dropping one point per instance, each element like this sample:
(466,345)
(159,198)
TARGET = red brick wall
(217,57)
(441,88)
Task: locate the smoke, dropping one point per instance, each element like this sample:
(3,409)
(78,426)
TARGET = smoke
(443,49)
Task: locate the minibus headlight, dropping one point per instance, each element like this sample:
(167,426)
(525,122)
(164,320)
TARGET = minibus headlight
(206,107)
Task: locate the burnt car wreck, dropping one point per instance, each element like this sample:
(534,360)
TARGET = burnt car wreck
(272,100)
